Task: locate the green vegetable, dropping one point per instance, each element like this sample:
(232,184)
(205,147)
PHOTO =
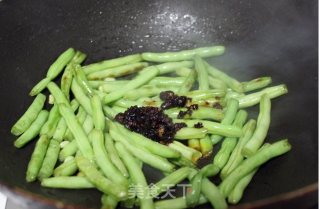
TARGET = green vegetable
(98,180)
(231,82)
(77,131)
(187,84)
(29,116)
(117,71)
(146,75)
(54,70)
(137,176)
(254,98)
(257,83)
(50,160)
(67,182)
(261,131)
(183,55)
(236,157)
(37,157)
(230,114)
(142,154)
(228,144)
(102,158)
(111,63)
(201,73)
(33,130)
(251,163)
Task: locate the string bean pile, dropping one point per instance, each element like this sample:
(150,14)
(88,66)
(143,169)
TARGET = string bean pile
(81,144)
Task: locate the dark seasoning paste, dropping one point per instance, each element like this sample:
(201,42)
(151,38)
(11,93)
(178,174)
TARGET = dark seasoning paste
(152,122)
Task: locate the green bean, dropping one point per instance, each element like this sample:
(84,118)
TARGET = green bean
(59,97)
(56,68)
(230,114)
(97,84)
(177,203)
(208,113)
(236,194)
(183,71)
(254,98)
(33,130)
(67,182)
(39,86)
(191,133)
(170,67)
(183,162)
(194,144)
(119,109)
(71,148)
(167,81)
(67,168)
(102,159)
(231,82)
(216,103)
(217,83)
(202,73)
(187,83)
(98,180)
(67,76)
(83,81)
(214,128)
(97,113)
(212,193)
(205,94)
(183,55)
(257,83)
(37,158)
(142,154)
(81,116)
(206,146)
(111,63)
(146,91)
(29,116)
(62,125)
(117,71)
(77,131)
(114,156)
(109,112)
(109,86)
(187,152)
(208,189)
(60,130)
(261,131)
(50,126)
(137,176)
(153,147)
(50,160)
(172,179)
(109,202)
(81,96)
(141,79)
(232,95)
(236,157)
(210,170)
(251,163)
(192,198)
(229,143)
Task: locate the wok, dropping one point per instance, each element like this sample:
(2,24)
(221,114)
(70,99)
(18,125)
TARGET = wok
(277,38)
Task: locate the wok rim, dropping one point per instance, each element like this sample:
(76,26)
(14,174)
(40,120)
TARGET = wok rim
(284,198)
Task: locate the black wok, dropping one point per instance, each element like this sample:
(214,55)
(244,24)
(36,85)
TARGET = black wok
(277,38)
